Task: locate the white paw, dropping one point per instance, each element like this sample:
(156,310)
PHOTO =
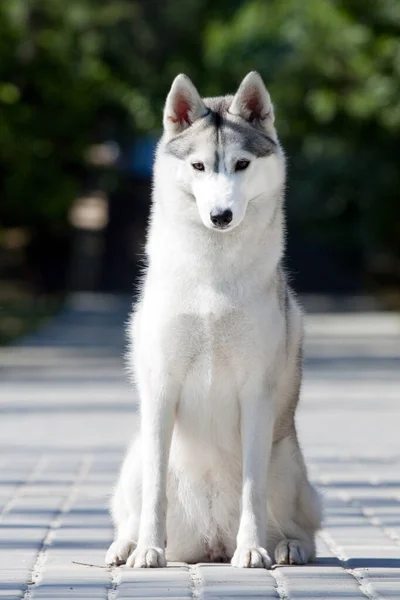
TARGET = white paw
(291,552)
(118,552)
(147,557)
(256,558)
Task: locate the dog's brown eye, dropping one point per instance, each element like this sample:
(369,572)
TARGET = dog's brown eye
(198,166)
(241,165)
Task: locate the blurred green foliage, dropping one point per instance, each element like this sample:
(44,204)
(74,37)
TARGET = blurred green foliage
(333,70)
(76,73)
(79,72)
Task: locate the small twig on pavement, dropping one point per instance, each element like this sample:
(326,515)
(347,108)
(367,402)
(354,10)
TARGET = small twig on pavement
(75,562)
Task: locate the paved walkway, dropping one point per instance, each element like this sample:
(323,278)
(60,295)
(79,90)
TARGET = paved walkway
(66,415)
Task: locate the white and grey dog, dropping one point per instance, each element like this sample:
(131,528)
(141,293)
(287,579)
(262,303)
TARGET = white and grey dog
(216,472)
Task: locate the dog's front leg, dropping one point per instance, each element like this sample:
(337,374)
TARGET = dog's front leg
(256,424)
(158,407)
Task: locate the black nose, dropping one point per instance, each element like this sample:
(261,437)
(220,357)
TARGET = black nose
(221,219)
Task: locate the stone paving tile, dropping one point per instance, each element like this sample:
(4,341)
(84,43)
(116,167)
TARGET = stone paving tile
(214,582)
(322,583)
(67,412)
(173,582)
(381,583)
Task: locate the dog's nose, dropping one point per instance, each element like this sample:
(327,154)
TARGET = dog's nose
(221,219)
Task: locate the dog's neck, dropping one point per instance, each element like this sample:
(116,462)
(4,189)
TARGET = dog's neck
(253,250)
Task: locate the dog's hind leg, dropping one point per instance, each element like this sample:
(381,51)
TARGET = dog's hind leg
(294,552)
(125,510)
(125,542)
(298,545)
(295,511)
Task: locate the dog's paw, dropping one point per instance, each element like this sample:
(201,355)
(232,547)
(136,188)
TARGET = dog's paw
(147,557)
(291,552)
(119,551)
(256,558)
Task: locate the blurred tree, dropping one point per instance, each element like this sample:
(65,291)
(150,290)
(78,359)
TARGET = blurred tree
(333,69)
(76,73)
(55,91)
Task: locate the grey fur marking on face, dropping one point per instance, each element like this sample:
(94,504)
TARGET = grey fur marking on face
(216,162)
(229,129)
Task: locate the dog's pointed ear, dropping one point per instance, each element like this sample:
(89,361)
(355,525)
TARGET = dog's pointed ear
(183,105)
(253,103)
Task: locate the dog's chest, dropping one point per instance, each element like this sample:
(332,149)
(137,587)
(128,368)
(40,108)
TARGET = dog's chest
(208,406)
(227,342)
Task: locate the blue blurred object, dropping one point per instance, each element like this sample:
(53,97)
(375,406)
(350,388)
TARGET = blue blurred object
(142,156)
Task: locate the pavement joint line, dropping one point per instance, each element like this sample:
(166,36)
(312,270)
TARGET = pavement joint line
(195,582)
(364,583)
(373,519)
(370,517)
(19,488)
(280,583)
(358,574)
(38,568)
(116,577)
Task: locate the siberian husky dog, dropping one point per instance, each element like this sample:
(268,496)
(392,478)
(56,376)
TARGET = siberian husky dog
(216,472)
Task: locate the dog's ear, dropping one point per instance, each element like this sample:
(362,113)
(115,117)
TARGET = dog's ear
(253,103)
(183,105)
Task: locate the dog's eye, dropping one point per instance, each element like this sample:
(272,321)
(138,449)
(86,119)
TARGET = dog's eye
(198,166)
(241,165)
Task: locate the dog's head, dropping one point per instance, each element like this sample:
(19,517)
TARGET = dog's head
(222,152)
